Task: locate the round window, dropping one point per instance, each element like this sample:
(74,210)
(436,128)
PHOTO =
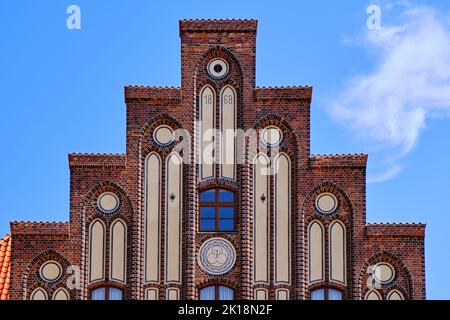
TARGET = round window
(271,136)
(218,68)
(50,271)
(163,135)
(326,203)
(108,202)
(383,272)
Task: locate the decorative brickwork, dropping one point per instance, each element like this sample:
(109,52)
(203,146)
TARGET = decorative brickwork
(343,177)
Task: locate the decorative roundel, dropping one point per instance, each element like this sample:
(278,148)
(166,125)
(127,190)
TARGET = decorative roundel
(271,136)
(383,272)
(218,68)
(217,256)
(108,202)
(50,271)
(326,203)
(163,135)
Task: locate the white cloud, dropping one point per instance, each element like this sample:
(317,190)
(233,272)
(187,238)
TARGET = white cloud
(410,83)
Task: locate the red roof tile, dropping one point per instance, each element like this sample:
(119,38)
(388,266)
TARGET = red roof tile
(5,259)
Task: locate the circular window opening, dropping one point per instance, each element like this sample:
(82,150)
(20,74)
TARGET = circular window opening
(384,273)
(163,135)
(272,136)
(326,203)
(218,68)
(108,202)
(50,271)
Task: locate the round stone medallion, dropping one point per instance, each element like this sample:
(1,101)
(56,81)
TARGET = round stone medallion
(50,271)
(383,272)
(326,203)
(163,135)
(272,136)
(108,202)
(217,256)
(218,68)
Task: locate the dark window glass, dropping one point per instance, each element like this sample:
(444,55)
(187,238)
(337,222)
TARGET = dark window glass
(208,196)
(326,294)
(208,212)
(208,224)
(226,196)
(106,293)
(216,293)
(226,225)
(226,213)
(217,211)
(98,294)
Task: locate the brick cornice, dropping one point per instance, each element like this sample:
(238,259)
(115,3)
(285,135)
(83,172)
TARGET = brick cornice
(333,161)
(218,25)
(39,228)
(152,94)
(263,94)
(396,230)
(84,160)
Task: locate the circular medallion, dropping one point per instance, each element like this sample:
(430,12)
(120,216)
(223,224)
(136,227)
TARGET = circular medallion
(271,136)
(50,271)
(108,202)
(163,135)
(218,68)
(383,272)
(326,203)
(217,256)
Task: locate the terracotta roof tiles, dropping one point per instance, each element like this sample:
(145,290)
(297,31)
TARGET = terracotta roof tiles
(5,266)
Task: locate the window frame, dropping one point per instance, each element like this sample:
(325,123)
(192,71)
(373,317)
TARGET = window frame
(217,291)
(107,289)
(217,204)
(326,295)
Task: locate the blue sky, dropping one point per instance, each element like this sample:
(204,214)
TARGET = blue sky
(383,92)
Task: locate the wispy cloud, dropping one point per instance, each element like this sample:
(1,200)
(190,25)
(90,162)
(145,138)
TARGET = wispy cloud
(410,83)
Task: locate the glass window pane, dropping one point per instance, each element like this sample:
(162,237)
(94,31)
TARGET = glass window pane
(226,293)
(98,294)
(115,294)
(334,295)
(207,225)
(208,293)
(209,196)
(318,294)
(226,196)
(226,212)
(207,212)
(226,225)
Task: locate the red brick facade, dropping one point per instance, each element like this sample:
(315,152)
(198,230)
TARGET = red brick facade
(288,108)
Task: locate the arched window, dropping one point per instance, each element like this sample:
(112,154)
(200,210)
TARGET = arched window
(217,293)
(217,210)
(106,293)
(326,294)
